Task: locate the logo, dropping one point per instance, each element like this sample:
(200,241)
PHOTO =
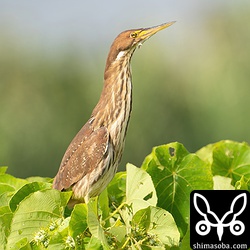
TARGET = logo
(219,217)
(203,227)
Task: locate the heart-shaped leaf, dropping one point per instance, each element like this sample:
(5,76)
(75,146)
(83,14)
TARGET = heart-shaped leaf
(175,173)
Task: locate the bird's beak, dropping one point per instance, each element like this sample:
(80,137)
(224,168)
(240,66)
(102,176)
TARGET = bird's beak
(148,32)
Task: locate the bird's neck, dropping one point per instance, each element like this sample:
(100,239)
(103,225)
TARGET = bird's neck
(115,105)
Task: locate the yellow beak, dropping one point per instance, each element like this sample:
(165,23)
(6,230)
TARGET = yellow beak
(148,32)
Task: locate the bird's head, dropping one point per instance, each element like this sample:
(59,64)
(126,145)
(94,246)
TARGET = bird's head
(127,41)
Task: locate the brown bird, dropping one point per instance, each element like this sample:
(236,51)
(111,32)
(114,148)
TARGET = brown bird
(92,158)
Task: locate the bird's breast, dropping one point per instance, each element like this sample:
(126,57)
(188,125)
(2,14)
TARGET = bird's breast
(121,100)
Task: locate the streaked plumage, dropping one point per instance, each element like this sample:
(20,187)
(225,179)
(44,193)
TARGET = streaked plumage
(92,158)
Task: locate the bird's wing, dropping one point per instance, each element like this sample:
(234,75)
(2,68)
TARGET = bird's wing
(83,154)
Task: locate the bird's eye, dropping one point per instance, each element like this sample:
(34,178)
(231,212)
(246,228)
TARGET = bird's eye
(133,35)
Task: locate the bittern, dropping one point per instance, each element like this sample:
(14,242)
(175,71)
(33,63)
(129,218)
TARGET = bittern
(92,158)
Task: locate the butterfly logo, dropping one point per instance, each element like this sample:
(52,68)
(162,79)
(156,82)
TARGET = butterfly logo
(210,219)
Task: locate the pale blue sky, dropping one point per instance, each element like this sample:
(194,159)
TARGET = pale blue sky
(53,23)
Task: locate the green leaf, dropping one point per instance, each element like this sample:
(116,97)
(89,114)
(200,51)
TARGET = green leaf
(175,173)
(6,192)
(39,179)
(185,243)
(140,190)
(119,233)
(157,226)
(242,184)
(57,235)
(11,181)
(3,170)
(222,183)
(78,220)
(36,211)
(94,244)
(94,225)
(5,220)
(206,154)
(8,185)
(26,190)
(104,207)
(117,188)
(33,216)
(23,244)
(231,159)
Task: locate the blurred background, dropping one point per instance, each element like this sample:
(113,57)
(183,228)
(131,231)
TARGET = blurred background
(191,81)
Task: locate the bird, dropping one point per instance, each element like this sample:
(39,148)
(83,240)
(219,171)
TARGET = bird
(92,158)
